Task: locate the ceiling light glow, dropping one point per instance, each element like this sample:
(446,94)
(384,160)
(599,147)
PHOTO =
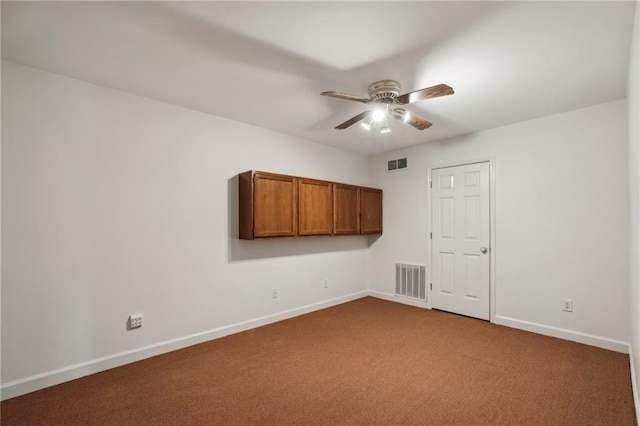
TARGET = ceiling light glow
(378,115)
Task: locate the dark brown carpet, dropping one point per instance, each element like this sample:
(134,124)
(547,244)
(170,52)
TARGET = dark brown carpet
(367,362)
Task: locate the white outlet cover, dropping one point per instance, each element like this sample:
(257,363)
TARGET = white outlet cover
(135,320)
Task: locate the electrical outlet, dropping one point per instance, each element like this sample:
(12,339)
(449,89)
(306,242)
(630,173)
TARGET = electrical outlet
(326,283)
(274,293)
(567,305)
(135,320)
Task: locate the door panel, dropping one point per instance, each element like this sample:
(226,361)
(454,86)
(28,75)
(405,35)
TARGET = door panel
(346,214)
(447,217)
(472,273)
(276,205)
(472,218)
(315,209)
(370,211)
(447,274)
(460,225)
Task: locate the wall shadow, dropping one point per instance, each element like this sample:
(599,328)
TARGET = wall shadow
(371,239)
(243,250)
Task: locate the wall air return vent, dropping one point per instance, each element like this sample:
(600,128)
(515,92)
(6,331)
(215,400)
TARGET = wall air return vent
(410,281)
(398,164)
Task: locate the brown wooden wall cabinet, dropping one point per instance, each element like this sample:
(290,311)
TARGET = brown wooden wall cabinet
(273,205)
(315,210)
(346,215)
(370,211)
(275,194)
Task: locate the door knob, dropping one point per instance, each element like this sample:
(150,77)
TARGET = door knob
(483,250)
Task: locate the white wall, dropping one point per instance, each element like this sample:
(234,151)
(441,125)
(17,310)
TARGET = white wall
(115,204)
(633,99)
(561,220)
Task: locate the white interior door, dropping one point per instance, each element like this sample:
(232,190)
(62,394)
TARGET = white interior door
(461,249)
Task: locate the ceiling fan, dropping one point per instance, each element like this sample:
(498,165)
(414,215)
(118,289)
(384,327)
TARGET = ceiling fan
(385,94)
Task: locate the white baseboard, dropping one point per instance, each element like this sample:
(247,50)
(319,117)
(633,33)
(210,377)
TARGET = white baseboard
(54,377)
(575,336)
(634,383)
(399,299)
(72,372)
(588,339)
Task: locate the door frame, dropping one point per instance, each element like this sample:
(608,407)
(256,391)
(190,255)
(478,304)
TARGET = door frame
(492,226)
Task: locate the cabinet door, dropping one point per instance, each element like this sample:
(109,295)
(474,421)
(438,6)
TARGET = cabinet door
(346,212)
(315,211)
(275,205)
(370,211)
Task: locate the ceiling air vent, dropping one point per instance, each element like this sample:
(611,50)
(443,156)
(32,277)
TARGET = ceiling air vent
(399,164)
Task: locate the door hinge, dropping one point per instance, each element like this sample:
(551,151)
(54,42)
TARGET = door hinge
(431,235)
(431,184)
(430,286)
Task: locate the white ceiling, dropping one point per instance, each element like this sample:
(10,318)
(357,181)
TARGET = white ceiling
(265,63)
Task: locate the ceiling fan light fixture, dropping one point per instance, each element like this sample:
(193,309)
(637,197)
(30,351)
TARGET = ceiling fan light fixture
(384,94)
(378,115)
(385,127)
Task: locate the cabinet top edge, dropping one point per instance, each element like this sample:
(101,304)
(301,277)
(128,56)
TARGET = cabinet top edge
(254,172)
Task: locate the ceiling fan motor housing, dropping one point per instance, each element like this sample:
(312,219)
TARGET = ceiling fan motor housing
(384,91)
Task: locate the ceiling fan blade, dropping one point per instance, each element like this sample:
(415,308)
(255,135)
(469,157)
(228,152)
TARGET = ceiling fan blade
(427,93)
(353,120)
(411,119)
(345,96)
